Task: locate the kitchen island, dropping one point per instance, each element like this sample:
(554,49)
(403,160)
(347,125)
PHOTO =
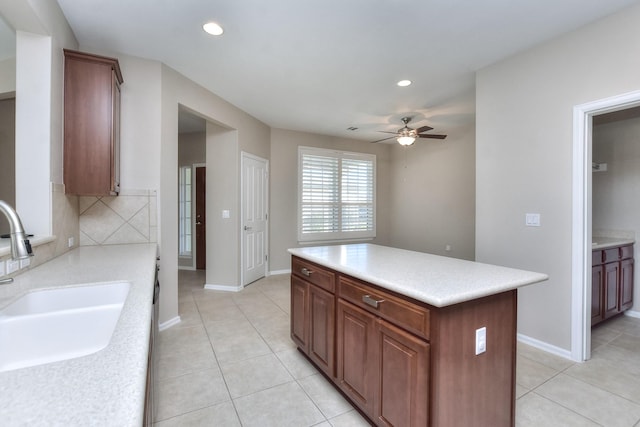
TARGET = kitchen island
(412,339)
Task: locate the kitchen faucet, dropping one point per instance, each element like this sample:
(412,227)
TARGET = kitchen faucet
(20,246)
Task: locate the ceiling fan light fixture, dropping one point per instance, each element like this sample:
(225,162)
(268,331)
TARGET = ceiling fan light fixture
(406,140)
(213,29)
(404,83)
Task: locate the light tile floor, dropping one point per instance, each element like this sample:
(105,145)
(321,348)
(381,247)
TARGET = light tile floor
(230,362)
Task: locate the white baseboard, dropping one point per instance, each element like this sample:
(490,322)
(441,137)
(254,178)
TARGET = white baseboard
(169,323)
(541,345)
(631,313)
(186,267)
(227,288)
(276,272)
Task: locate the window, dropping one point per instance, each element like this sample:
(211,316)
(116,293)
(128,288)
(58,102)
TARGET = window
(185,206)
(336,195)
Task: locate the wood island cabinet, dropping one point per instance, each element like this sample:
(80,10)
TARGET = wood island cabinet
(403,362)
(91,124)
(313,313)
(612,275)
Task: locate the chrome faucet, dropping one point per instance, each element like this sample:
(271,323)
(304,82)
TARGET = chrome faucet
(20,246)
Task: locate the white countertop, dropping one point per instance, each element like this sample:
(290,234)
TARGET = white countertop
(106,388)
(436,280)
(610,242)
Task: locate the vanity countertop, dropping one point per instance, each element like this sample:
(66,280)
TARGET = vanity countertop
(436,280)
(106,388)
(610,242)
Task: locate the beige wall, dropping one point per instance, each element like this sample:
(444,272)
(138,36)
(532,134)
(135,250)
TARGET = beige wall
(616,192)
(192,148)
(7,159)
(8,75)
(283,190)
(524,120)
(432,195)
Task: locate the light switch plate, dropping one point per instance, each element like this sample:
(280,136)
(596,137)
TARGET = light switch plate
(532,220)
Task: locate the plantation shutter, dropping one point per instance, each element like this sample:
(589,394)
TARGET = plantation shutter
(336,195)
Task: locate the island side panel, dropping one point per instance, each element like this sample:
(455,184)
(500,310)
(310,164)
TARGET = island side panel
(469,389)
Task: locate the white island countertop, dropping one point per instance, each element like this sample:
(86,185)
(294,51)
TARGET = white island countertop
(436,280)
(106,388)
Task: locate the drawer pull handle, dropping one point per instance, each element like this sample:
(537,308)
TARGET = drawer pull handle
(306,272)
(369,300)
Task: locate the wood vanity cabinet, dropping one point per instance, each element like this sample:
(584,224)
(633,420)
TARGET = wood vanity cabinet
(612,273)
(403,362)
(91,124)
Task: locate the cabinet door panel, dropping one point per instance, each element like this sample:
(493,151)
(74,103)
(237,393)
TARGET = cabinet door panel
(404,378)
(300,313)
(357,355)
(321,328)
(597,283)
(626,284)
(611,274)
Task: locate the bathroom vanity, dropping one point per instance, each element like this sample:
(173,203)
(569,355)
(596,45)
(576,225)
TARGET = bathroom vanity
(411,339)
(612,276)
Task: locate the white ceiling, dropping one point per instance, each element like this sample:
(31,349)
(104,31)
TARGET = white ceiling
(324,65)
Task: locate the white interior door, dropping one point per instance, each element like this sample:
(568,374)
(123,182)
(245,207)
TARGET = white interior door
(254,218)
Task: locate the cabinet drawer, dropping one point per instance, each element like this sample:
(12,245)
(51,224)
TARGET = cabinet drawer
(612,254)
(314,273)
(626,252)
(597,257)
(405,314)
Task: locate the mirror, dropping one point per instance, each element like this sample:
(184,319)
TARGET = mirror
(7,117)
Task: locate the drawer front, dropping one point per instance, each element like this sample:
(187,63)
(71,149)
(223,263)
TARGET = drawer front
(313,273)
(405,314)
(626,252)
(597,257)
(612,254)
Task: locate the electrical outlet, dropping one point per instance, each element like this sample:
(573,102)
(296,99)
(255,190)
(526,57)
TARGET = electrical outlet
(25,263)
(481,340)
(12,266)
(71,242)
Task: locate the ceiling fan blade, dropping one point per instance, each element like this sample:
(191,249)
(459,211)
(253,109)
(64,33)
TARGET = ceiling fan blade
(384,131)
(383,139)
(432,136)
(423,129)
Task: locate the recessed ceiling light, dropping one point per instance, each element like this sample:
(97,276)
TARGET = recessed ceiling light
(403,83)
(213,28)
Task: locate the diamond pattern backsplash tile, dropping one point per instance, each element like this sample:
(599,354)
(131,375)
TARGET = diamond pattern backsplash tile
(110,220)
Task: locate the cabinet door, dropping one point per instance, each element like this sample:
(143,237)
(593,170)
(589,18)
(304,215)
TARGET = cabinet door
(626,284)
(321,328)
(357,355)
(597,294)
(300,313)
(404,378)
(611,279)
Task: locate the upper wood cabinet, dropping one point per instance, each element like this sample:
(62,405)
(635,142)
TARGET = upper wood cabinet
(91,124)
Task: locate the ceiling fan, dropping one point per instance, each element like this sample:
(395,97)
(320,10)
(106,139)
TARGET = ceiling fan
(407,135)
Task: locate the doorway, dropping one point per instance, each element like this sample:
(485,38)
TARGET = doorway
(582,216)
(200,217)
(254,211)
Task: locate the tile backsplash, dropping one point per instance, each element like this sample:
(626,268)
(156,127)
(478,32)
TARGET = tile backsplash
(130,217)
